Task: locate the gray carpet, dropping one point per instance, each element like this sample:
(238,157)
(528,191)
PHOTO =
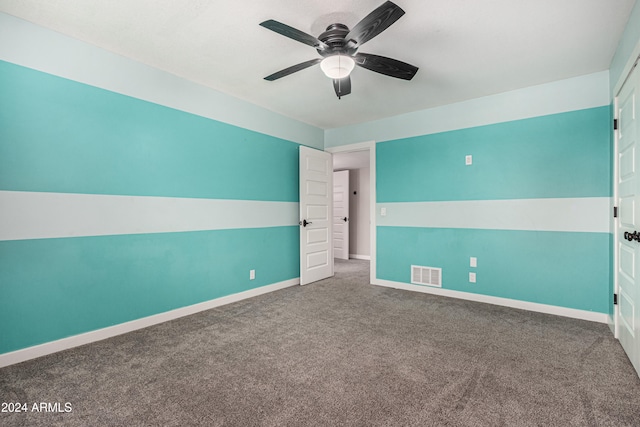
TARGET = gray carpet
(339,352)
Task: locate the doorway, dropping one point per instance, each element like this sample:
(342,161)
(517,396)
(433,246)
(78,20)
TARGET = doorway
(359,160)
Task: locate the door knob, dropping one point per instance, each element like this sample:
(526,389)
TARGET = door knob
(632,236)
(304,223)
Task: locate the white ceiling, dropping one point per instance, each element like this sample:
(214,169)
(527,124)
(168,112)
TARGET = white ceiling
(464,48)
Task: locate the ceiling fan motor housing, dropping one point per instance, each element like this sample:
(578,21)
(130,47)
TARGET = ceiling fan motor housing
(334,38)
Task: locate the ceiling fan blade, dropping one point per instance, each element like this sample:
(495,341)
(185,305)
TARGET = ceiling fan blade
(375,23)
(342,86)
(292,69)
(294,34)
(387,66)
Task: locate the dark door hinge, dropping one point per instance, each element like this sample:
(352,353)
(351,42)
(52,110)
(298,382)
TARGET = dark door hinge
(615,212)
(615,124)
(615,299)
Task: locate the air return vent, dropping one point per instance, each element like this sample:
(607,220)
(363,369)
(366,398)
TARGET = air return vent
(426,275)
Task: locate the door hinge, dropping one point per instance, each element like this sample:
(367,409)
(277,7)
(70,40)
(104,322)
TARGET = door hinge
(615,212)
(615,299)
(615,124)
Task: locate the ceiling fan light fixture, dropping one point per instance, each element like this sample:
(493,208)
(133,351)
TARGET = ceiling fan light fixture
(337,66)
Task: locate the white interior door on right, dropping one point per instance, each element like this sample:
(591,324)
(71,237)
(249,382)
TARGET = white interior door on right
(628,224)
(341,214)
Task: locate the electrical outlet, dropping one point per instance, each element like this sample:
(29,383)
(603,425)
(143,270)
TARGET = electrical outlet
(383,211)
(252,274)
(473,262)
(468,160)
(472,277)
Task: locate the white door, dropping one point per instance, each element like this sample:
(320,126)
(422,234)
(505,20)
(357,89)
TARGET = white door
(316,183)
(628,194)
(341,214)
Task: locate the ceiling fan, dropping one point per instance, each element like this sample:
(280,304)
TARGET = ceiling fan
(338,46)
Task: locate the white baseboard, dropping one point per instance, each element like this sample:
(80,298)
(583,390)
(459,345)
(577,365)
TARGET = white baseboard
(612,325)
(356,256)
(111,331)
(506,302)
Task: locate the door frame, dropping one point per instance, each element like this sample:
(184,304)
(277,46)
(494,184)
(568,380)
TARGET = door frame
(371,147)
(613,323)
(344,253)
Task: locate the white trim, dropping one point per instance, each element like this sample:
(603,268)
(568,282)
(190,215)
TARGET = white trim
(505,302)
(372,213)
(359,146)
(39,215)
(356,256)
(585,214)
(362,146)
(123,328)
(614,325)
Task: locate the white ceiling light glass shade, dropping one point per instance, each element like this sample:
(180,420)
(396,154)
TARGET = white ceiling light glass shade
(337,66)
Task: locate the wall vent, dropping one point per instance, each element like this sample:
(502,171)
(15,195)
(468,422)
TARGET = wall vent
(430,276)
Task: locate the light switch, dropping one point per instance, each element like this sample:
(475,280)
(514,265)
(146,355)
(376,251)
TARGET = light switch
(383,211)
(473,262)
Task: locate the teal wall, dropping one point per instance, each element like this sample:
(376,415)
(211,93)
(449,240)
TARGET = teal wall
(55,288)
(562,269)
(561,156)
(62,136)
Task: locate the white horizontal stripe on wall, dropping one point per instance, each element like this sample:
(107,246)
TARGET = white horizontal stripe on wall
(577,93)
(589,214)
(45,50)
(33,215)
